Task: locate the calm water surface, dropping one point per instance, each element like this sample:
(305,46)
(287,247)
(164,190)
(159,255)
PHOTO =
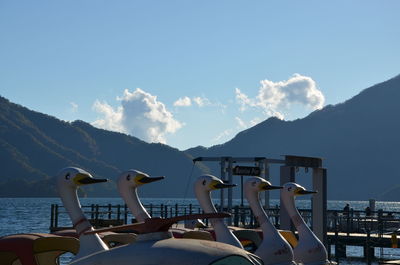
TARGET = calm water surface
(29,215)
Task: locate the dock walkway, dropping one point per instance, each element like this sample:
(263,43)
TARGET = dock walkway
(378,230)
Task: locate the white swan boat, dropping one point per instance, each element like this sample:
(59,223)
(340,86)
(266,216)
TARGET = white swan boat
(309,250)
(202,188)
(154,246)
(274,249)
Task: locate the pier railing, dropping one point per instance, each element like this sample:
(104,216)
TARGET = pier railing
(242,216)
(360,222)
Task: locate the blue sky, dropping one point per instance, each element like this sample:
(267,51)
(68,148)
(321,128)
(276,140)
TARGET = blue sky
(124,65)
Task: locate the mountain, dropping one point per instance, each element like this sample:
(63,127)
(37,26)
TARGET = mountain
(359,141)
(35,146)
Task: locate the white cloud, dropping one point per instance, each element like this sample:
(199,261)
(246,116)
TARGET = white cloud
(140,114)
(222,135)
(111,118)
(201,101)
(274,98)
(255,121)
(74,107)
(244,125)
(183,102)
(244,100)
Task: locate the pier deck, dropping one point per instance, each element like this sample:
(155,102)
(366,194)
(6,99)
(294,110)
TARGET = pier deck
(358,239)
(378,230)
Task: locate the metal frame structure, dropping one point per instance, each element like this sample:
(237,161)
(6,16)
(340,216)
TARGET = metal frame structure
(287,174)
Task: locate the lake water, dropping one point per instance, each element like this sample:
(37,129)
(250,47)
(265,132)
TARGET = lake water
(30,215)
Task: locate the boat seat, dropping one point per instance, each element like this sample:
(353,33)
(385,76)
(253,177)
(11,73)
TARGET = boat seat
(110,238)
(117,239)
(66,232)
(196,223)
(289,236)
(157,224)
(248,238)
(251,235)
(178,232)
(35,249)
(202,235)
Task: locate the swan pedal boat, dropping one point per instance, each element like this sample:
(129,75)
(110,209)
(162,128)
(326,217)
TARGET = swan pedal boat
(161,248)
(128,183)
(309,250)
(202,189)
(274,249)
(35,249)
(154,246)
(110,238)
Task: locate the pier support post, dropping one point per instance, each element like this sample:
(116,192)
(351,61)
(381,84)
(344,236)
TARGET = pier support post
(369,254)
(340,250)
(265,175)
(369,251)
(319,204)
(230,191)
(287,174)
(222,197)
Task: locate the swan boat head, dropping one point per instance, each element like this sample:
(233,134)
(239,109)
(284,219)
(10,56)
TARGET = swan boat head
(72,177)
(291,190)
(208,183)
(257,184)
(127,183)
(203,187)
(134,178)
(309,250)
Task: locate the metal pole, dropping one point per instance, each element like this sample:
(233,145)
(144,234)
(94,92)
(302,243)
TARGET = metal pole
(287,175)
(230,181)
(241,191)
(319,204)
(265,175)
(222,197)
(52,218)
(125,214)
(119,212)
(230,190)
(56,216)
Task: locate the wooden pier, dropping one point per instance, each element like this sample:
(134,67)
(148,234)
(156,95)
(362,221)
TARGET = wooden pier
(368,241)
(378,230)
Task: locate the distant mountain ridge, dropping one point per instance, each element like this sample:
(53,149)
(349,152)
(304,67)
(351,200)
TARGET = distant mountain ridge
(35,146)
(358,139)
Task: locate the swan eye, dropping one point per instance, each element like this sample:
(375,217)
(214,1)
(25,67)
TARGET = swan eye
(128,177)
(289,189)
(67,176)
(254,183)
(204,182)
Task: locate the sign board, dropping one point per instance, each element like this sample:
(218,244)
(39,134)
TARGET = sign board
(303,161)
(246,171)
